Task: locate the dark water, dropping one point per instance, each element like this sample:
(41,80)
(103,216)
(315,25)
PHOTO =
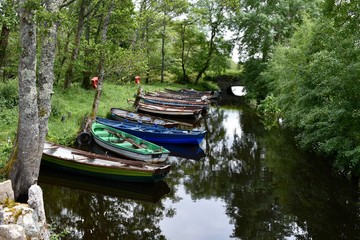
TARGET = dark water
(243,183)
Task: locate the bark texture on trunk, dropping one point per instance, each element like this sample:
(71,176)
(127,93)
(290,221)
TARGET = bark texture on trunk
(34,104)
(46,73)
(25,169)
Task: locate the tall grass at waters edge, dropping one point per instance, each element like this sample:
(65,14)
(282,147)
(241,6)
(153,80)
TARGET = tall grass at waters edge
(69,107)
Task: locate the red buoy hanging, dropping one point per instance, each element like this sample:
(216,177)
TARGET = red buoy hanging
(94,82)
(137,80)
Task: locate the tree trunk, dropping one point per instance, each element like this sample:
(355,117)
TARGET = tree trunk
(5,31)
(34,107)
(88,61)
(163,53)
(46,73)
(183,29)
(101,63)
(211,50)
(70,70)
(26,157)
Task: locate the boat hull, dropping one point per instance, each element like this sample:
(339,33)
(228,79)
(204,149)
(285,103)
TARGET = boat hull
(79,162)
(155,154)
(169,111)
(121,115)
(157,134)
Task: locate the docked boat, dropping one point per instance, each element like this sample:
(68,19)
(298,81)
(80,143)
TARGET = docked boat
(192,93)
(121,115)
(168,95)
(156,134)
(174,111)
(174,102)
(127,145)
(101,166)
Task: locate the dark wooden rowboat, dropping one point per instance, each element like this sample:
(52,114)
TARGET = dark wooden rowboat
(135,117)
(173,111)
(169,95)
(174,102)
(192,92)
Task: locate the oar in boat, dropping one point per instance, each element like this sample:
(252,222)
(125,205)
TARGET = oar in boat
(123,138)
(94,155)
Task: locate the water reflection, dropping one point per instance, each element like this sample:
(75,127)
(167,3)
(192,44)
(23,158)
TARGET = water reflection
(252,184)
(82,208)
(150,192)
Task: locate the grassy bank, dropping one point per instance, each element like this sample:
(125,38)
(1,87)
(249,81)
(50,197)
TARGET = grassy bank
(69,107)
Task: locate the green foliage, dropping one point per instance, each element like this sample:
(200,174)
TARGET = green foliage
(68,111)
(269,111)
(8,15)
(123,65)
(253,80)
(6,148)
(313,83)
(9,95)
(207,85)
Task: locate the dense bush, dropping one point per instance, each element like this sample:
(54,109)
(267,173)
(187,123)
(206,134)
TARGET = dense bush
(314,79)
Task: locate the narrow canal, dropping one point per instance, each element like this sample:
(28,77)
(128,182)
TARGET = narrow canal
(244,182)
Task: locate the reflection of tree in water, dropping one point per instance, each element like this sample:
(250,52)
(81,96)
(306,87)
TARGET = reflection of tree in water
(103,217)
(270,190)
(320,202)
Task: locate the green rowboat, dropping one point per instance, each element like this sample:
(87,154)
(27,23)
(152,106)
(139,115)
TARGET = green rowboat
(128,145)
(101,166)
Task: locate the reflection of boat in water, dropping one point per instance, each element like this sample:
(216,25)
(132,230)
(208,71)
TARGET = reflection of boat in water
(188,151)
(150,192)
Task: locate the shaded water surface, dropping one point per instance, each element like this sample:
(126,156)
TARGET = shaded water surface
(243,183)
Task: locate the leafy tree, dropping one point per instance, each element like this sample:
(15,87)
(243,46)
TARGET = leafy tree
(170,10)
(211,15)
(85,8)
(313,80)
(187,48)
(259,26)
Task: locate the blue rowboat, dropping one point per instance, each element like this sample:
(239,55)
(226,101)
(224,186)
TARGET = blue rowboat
(156,134)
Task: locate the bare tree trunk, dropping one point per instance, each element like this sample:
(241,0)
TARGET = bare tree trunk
(26,158)
(183,29)
(101,63)
(210,52)
(46,73)
(34,107)
(5,31)
(163,53)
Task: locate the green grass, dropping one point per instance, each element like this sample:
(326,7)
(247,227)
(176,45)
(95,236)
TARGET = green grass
(69,107)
